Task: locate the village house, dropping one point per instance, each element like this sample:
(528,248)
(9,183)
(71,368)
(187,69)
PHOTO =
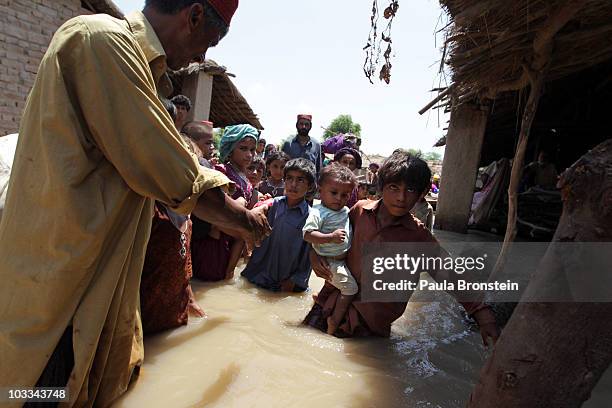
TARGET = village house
(527,76)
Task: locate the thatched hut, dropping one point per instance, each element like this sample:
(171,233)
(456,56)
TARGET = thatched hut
(527,75)
(213,94)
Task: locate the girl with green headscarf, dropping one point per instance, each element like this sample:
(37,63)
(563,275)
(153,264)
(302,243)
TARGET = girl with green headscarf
(215,256)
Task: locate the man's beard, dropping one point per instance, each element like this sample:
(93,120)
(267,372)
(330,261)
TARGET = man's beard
(303,132)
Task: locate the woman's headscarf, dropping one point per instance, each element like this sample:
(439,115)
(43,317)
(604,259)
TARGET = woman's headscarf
(231,136)
(352,152)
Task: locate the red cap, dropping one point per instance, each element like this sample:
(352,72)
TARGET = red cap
(225,8)
(304,116)
(207,123)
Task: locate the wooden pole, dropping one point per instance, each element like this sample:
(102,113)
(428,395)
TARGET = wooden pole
(537,83)
(542,52)
(435,100)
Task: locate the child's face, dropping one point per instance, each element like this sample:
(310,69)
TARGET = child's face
(348,160)
(261,146)
(206,144)
(296,185)
(399,199)
(243,153)
(254,174)
(335,194)
(362,192)
(276,170)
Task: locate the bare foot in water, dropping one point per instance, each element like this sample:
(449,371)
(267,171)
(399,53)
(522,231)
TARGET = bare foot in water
(196,310)
(192,305)
(332,326)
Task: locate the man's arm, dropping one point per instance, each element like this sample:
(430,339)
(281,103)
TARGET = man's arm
(320,266)
(124,119)
(217,208)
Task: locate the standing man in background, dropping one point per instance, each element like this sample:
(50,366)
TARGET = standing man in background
(302,145)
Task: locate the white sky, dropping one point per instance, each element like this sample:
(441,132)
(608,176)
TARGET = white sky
(308,58)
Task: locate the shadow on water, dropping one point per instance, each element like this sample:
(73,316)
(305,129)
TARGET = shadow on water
(214,392)
(156,344)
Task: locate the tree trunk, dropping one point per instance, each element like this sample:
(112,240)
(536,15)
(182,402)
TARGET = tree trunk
(553,354)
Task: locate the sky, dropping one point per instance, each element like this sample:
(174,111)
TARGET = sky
(308,58)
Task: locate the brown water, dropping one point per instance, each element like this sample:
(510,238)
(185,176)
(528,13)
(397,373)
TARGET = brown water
(252,352)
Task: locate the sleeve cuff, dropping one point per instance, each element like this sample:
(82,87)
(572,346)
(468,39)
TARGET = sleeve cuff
(207,179)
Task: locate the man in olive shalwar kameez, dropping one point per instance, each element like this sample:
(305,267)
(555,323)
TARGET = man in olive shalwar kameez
(96,148)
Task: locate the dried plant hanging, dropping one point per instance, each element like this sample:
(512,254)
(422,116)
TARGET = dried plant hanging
(375,45)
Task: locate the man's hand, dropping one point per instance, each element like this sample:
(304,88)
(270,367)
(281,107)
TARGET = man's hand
(242,201)
(488,328)
(338,236)
(259,228)
(219,209)
(320,266)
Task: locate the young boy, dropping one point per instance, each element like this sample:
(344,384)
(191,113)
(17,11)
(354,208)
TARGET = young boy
(329,231)
(273,184)
(402,180)
(281,262)
(201,132)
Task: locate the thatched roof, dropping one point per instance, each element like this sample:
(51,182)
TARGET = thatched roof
(490,42)
(227,106)
(104,6)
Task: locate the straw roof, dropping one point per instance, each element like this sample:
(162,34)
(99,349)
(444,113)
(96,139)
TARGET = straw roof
(489,43)
(227,105)
(104,6)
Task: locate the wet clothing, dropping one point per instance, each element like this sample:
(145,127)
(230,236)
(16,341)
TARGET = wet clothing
(373,318)
(342,279)
(164,286)
(284,254)
(210,256)
(326,221)
(97,148)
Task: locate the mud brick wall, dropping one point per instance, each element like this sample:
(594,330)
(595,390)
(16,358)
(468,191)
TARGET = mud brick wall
(26,28)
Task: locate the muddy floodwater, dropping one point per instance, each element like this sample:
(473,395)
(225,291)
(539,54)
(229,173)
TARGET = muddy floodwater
(251,351)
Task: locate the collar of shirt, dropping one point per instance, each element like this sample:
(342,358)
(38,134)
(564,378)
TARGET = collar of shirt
(154,51)
(372,208)
(303,206)
(308,144)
